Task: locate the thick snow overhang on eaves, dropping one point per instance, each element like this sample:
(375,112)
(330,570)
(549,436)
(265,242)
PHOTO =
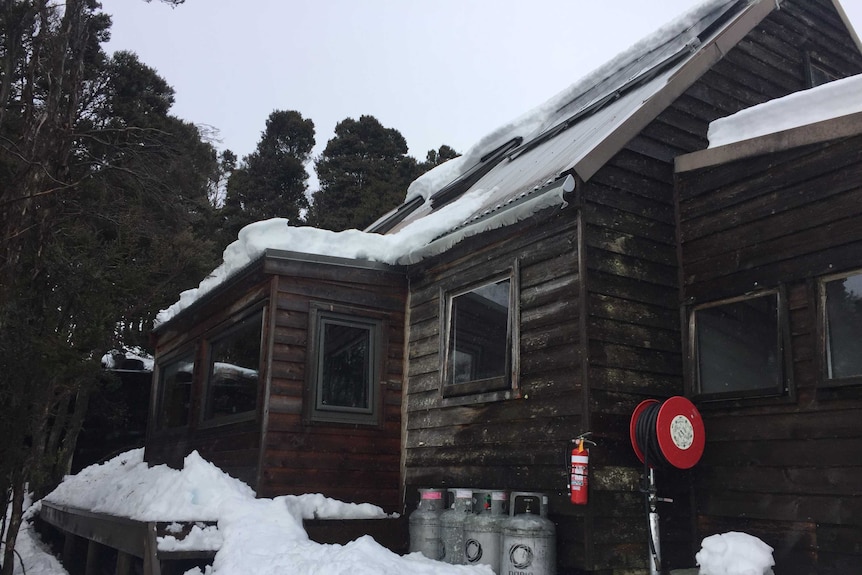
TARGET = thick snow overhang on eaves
(256,261)
(639,87)
(820,114)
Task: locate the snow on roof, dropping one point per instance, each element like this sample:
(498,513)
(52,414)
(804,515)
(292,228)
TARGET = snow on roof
(260,536)
(626,66)
(824,102)
(556,136)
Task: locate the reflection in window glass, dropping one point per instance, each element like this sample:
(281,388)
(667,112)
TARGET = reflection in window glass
(479,333)
(175,383)
(738,347)
(844,326)
(234,364)
(345,366)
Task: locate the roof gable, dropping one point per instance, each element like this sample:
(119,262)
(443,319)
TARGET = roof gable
(581,128)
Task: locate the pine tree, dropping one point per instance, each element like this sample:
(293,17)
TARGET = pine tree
(364,172)
(272,180)
(102,194)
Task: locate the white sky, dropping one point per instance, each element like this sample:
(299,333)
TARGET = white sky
(446,71)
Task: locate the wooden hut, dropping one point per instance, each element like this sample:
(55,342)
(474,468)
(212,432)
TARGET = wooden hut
(592,304)
(771,264)
(552,309)
(289,377)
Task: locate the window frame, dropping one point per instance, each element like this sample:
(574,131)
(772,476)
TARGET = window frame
(826,381)
(487,389)
(210,342)
(187,352)
(377,324)
(784,389)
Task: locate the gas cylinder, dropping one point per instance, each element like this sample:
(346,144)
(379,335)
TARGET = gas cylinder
(452,525)
(482,528)
(425,524)
(528,538)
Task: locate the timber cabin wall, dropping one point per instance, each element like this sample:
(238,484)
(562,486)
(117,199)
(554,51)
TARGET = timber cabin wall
(631,277)
(235,446)
(346,461)
(283,447)
(517,442)
(787,469)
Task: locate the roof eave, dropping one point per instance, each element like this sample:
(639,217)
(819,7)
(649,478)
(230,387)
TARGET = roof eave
(827,130)
(688,73)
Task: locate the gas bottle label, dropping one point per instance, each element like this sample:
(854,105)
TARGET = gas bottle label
(520,556)
(681,432)
(473,550)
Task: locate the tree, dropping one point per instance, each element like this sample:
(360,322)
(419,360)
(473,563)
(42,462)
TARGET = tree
(364,172)
(436,157)
(272,180)
(101,196)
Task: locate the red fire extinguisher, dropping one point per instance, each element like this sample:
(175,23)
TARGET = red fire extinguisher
(579,472)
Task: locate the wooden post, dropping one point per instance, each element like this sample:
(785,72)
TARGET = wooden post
(152,566)
(69,541)
(124,563)
(94,551)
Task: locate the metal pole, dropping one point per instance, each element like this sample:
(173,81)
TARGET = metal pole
(655,546)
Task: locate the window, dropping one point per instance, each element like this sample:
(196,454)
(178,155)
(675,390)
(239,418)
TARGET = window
(479,336)
(234,365)
(175,388)
(345,367)
(816,71)
(842,302)
(738,348)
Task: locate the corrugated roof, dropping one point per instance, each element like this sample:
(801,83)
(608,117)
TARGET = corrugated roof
(600,115)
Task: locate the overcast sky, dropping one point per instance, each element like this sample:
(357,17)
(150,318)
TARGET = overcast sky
(439,71)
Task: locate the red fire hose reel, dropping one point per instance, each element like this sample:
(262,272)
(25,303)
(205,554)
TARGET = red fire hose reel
(670,432)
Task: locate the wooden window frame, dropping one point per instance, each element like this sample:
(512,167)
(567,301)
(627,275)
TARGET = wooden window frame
(784,389)
(377,324)
(488,389)
(826,380)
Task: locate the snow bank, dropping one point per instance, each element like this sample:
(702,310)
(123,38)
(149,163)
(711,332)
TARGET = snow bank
(734,553)
(126,486)
(260,536)
(832,100)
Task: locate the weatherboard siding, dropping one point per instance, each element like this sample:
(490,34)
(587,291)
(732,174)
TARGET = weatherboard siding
(632,276)
(793,468)
(351,462)
(518,443)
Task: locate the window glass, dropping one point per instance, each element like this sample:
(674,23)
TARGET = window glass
(234,365)
(844,326)
(738,347)
(175,383)
(479,336)
(346,367)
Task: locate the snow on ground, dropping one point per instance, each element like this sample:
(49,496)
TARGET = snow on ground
(827,101)
(260,536)
(734,553)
